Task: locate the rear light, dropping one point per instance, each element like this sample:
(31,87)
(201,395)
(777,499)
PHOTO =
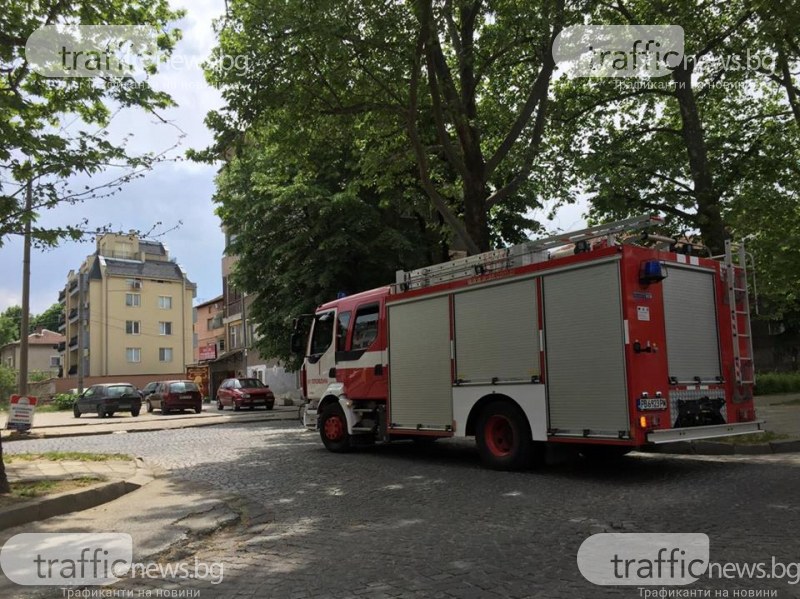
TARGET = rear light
(646,422)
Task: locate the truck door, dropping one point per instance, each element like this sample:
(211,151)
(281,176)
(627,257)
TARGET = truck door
(321,354)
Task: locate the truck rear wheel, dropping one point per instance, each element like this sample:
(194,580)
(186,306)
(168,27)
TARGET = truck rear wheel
(333,429)
(504,437)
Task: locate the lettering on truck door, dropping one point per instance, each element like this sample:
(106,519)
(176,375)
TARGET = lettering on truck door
(321,356)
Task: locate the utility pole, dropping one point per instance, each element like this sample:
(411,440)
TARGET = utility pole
(81,329)
(26,292)
(244,334)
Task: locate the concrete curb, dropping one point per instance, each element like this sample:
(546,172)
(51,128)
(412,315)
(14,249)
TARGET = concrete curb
(74,501)
(712,448)
(195,424)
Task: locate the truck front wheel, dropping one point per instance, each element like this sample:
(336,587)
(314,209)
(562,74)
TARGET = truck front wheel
(333,429)
(504,437)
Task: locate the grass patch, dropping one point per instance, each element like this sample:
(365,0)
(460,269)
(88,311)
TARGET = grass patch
(753,439)
(64,456)
(770,383)
(25,490)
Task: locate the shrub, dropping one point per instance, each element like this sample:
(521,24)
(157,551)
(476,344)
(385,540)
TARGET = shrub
(768,383)
(64,401)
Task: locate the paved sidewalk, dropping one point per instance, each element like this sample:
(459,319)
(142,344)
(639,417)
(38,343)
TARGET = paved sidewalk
(64,424)
(781,412)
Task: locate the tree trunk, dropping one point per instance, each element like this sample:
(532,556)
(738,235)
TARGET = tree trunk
(475,217)
(4,486)
(709,216)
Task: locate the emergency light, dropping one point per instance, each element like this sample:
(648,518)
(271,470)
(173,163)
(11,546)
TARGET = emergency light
(652,271)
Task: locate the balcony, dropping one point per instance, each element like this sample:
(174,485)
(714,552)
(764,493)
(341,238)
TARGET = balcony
(73,369)
(62,346)
(62,296)
(73,287)
(73,342)
(73,315)
(233,309)
(62,322)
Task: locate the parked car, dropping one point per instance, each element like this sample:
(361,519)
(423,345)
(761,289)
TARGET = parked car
(148,389)
(175,395)
(106,399)
(244,392)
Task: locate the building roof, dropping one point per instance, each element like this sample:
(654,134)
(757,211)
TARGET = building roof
(156,269)
(214,300)
(45,337)
(152,247)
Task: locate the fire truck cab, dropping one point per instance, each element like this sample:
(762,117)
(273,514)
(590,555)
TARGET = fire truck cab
(584,338)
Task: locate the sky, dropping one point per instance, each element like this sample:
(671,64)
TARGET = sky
(178,195)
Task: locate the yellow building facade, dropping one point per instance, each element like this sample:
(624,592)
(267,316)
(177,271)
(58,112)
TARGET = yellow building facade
(137,311)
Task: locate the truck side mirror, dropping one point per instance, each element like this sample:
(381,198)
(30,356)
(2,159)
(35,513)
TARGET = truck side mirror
(296,344)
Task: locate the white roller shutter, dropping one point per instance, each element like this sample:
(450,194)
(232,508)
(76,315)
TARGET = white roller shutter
(690,317)
(497,333)
(419,356)
(584,350)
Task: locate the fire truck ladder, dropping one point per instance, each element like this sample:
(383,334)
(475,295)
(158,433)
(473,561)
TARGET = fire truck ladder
(735,264)
(522,254)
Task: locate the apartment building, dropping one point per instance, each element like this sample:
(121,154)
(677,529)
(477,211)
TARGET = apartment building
(136,315)
(209,330)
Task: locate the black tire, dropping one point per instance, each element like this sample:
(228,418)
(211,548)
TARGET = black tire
(269,406)
(76,412)
(219,405)
(149,407)
(164,409)
(503,437)
(135,413)
(198,409)
(110,413)
(236,406)
(101,413)
(333,429)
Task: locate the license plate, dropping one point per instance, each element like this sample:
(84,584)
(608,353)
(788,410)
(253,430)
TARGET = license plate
(651,403)
(186,397)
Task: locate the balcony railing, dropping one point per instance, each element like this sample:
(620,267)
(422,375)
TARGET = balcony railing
(62,295)
(73,342)
(62,346)
(73,314)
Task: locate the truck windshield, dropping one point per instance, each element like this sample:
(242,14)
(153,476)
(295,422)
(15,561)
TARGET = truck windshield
(322,336)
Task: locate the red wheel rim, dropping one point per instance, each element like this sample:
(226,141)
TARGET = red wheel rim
(334,428)
(499,435)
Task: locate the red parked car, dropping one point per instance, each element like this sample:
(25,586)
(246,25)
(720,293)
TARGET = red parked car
(175,395)
(244,392)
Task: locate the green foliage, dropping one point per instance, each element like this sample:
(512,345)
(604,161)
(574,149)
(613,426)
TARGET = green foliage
(9,324)
(38,141)
(768,383)
(8,383)
(713,146)
(64,401)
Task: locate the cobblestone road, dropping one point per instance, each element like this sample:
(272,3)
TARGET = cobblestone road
(406,521)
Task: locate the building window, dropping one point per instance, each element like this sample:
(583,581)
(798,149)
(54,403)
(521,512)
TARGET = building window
(165,354)
(133,299)
(165,328)
(165,302)
(132,327)
(133,354)
(55,361)
(235,334)
(134,283)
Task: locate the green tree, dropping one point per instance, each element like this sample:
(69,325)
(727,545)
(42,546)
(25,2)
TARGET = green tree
(306,228)
(9,324)
(39,140)
(714,145)
(458,89)
(48,319)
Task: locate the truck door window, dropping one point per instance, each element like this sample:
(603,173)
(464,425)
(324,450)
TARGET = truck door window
(365,330)
(342,323)
(323,333)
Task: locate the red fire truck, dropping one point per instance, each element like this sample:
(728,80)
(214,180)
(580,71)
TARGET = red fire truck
(589,338)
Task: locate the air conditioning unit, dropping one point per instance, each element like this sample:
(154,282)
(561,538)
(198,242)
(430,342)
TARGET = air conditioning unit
(136,284)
